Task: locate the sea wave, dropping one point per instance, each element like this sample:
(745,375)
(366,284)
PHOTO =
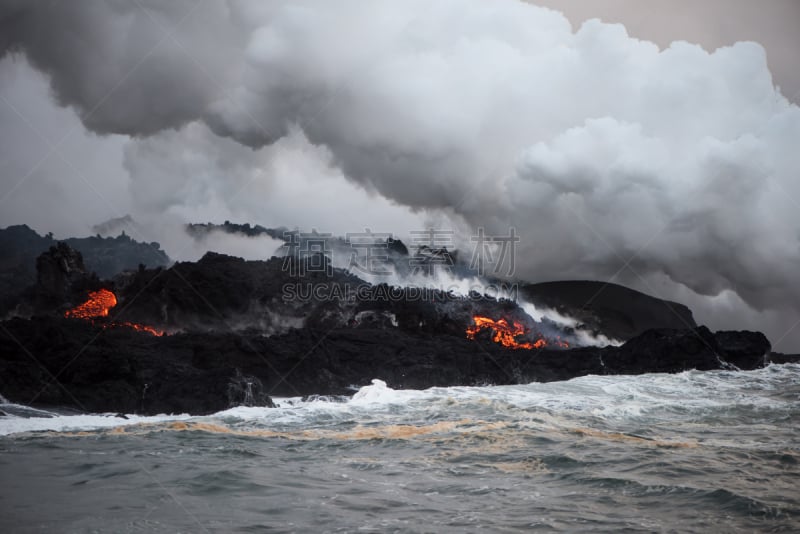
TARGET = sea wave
(757,398)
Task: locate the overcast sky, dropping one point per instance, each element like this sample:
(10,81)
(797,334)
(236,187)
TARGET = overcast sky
(640,152)
(710,23)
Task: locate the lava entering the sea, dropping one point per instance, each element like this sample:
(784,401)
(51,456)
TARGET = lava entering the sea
(98,305)
(505,333)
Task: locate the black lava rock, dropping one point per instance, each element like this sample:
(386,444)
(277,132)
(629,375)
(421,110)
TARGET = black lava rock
(62,362)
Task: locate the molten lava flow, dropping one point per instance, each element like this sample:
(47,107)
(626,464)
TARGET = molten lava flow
(141,328)
(98,305)
(505,333)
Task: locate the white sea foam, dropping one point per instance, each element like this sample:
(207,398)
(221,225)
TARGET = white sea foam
(616,400)
(73,423)
(643,399)
(380,394)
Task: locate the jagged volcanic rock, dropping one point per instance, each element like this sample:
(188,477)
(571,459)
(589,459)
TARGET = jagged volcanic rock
(742,348)
(50,361)
(105,256)
(58,269)
(61,281)
(243,331)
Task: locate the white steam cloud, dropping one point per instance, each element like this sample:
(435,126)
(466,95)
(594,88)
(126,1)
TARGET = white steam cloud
(610,156)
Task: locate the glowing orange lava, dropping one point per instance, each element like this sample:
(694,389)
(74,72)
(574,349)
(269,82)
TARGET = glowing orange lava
(141,328)
(505,333)
(98,305)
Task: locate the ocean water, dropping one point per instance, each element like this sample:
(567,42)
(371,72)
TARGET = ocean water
(692,452)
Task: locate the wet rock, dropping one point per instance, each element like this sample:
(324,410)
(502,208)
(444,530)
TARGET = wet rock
(745,350)
(666,351)
(777,357)
(247,390)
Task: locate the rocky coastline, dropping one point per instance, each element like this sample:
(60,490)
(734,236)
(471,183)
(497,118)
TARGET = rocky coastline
(200,337)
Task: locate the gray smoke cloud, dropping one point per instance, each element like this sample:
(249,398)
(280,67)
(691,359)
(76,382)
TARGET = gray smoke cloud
(192,175)
(668,169)
(125,65)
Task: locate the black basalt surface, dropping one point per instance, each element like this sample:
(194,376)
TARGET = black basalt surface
(61,362)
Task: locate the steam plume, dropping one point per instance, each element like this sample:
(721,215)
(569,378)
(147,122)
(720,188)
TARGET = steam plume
(609,155)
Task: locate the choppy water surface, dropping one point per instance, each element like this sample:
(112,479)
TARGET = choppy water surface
(717,451)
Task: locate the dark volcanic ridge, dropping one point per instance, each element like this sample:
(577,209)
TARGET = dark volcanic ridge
(77,364)
(242,331)
(105,256)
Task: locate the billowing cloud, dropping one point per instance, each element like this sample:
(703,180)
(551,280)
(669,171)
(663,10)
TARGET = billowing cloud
(128,67)
(710,23)
(193,175)
(596,146)
(611,156)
